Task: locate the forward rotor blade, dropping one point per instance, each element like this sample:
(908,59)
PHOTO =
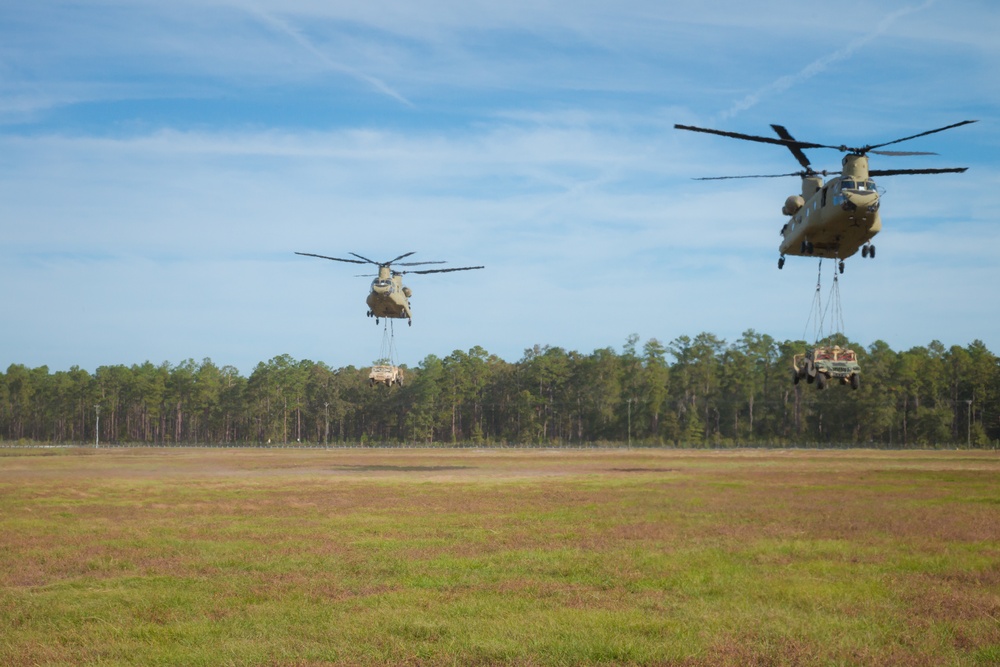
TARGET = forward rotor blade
(420,263)
(336,259)
(898,172)
(796,151)
(922,134)
(460,268)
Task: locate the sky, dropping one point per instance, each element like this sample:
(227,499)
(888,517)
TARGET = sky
(161,163)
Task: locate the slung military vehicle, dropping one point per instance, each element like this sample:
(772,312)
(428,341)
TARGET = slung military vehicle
(822,364)
(385,374)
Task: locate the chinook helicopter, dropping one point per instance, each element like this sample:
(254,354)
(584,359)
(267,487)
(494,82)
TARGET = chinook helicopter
(388,296)
(838,217)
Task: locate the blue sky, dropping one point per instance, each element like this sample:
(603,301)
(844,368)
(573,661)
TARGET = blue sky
(161,162)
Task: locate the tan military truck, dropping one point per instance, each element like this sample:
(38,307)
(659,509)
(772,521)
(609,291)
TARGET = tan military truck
(385,374)
(822,364)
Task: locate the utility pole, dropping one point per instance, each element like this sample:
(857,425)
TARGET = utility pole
(968,428)
(97,427)
(326,435)
(630,423)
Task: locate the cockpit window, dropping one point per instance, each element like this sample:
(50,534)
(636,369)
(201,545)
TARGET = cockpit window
(870,185)
(848,185)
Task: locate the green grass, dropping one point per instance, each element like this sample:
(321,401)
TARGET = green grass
(442,557)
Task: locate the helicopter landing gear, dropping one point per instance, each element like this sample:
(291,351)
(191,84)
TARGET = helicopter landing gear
(868,250)
(807,248)
(409,322)
(840,266)
(781,262)
(376,321)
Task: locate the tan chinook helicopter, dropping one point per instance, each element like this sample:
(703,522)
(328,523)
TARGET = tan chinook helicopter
(388,296)
(837,217)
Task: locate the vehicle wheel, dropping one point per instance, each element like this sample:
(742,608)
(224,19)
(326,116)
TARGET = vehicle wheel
(855,381)
(820,381)
(841,266)
(871,252)
(781,262)
(864,251)
(810,247)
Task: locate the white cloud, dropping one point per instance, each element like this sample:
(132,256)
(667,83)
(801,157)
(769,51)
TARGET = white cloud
(820,65)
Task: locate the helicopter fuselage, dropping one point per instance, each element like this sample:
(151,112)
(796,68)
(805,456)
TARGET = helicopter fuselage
(388,296)
(833,219)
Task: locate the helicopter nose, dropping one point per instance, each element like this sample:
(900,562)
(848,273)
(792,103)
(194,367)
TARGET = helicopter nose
(856,200)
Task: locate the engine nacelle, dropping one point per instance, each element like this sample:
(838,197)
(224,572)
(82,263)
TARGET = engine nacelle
(408,292)
(793,204)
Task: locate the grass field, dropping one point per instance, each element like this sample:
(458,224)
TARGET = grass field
(365,557)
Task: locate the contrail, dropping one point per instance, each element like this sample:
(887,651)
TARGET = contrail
(304,42)
(812,69)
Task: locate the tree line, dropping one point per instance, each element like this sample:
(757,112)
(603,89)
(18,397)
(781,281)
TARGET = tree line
(692,392)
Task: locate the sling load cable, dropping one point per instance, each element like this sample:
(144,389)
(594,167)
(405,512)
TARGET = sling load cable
(387,353)
(816,312)
(392,344)
(833,314)
(833,307)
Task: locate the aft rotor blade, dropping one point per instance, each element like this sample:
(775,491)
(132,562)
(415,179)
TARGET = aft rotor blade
(899,153)
(796,151)
(752,137)
(336,259)
(460,268)
(795,173)
(922,134)
(794,144)
(370,261)
(898,172)
(420,263)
